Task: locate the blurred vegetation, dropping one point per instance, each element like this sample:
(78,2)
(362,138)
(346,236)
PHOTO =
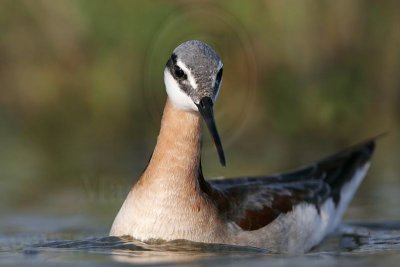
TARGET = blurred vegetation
(81,90)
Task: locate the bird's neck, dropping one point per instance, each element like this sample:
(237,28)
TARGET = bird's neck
(176,158)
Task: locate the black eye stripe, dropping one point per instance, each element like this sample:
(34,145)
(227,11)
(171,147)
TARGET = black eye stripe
(174,58)
(219,77)
(174,69)
(179,73)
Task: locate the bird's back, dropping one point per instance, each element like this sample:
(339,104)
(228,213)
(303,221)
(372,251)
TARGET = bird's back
(293,211)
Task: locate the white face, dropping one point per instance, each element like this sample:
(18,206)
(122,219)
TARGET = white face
(178,97)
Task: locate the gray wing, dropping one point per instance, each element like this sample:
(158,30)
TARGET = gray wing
(254,202)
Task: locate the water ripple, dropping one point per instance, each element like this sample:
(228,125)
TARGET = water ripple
(353,243)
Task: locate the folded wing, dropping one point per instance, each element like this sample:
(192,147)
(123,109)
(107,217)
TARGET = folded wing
(255,202)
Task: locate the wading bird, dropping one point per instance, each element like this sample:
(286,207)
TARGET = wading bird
(286,213)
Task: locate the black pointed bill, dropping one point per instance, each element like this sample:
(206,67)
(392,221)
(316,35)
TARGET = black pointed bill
(205,107)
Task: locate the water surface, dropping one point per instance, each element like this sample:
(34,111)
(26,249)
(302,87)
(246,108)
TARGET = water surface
(356,243)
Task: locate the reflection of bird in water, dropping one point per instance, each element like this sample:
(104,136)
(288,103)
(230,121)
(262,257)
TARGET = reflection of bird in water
(290,212)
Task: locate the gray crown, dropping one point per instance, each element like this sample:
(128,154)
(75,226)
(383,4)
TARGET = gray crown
(203,63)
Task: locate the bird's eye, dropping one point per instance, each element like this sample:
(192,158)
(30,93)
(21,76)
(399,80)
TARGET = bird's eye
(179,73)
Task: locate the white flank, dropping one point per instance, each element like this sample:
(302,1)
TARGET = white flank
(347,193)
(309,227)
(179,98)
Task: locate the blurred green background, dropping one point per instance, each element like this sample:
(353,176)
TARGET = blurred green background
(82,93)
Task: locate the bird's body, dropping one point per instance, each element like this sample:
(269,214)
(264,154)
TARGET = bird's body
(290,212)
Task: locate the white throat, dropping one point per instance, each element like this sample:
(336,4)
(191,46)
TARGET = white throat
(179,98)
